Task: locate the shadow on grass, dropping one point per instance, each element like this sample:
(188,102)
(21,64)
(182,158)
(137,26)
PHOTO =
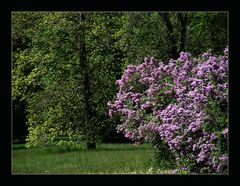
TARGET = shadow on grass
(18,146)
(84,149)
(66,149)
(121,149)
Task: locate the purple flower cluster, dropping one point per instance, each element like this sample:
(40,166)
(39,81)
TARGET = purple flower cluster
(170,100)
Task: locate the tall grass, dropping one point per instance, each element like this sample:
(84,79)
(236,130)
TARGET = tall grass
(107,158)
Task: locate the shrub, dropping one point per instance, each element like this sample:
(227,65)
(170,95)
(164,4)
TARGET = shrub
(185,102)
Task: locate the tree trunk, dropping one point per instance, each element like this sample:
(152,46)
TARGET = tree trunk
(85,82)
(182,18)
(91,145)
(173,53)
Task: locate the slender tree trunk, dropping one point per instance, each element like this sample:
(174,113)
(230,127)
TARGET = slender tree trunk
(182,18)
(86,87)
(173,53)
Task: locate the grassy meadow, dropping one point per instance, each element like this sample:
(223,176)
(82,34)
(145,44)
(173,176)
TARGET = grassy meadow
(106,159)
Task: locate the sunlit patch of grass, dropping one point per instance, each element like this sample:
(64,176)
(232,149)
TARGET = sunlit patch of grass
(106,159)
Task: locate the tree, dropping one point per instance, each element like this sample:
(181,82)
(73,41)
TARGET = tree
(72,79)
(21,41)
(53,109)
(106,62)
(173,50)
(207,30)
(90,133)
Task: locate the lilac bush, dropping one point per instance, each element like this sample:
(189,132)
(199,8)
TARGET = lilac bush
(185,102)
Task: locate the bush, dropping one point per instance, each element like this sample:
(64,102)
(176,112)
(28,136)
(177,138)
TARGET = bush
(184,102)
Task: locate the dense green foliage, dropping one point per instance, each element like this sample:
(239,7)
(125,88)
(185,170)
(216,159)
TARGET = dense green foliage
(47,78)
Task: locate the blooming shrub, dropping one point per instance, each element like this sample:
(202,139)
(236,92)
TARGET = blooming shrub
(185,102)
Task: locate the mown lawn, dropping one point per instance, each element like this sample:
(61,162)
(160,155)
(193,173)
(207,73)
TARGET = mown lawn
(106,159)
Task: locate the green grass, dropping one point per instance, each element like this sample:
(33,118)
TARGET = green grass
(107,158)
